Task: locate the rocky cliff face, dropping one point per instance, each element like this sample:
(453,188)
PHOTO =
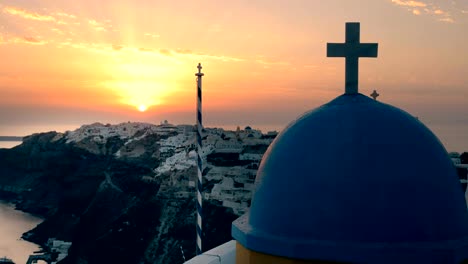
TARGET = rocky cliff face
(126,193)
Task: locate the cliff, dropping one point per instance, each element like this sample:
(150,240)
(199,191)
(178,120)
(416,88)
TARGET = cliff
(126,193)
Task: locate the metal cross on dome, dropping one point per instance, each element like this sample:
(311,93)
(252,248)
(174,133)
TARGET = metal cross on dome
(375,94)
(352,50)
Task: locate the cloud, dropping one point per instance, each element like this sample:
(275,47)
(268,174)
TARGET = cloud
(446,17)
(165,52)
(98,26)
(447,20)
(63,14)
(198,55)
(26,14)
(221,58)
(409,3)
(419,8)
(436,11)
(203,56)
(29,40)
(10,39)
(184,51)
(58,31)
(145,50)
(173,54)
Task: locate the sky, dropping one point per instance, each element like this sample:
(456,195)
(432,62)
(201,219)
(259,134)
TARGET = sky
(67,63)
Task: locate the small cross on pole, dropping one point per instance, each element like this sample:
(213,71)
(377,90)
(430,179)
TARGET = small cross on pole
(352,50)
(374,95)
(199,67)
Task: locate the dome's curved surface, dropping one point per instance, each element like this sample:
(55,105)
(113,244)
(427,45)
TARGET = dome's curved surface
(356,180)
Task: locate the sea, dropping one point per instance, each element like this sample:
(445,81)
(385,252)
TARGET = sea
(453,136)
(13,224)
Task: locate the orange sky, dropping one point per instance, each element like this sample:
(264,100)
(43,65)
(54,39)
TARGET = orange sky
(68,63)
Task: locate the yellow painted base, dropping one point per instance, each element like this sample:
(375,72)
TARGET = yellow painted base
(246,256)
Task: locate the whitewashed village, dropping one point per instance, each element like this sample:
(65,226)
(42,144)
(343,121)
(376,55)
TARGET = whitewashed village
(230,162)
(237,153)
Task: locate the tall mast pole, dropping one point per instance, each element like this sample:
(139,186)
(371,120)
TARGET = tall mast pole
(199,160)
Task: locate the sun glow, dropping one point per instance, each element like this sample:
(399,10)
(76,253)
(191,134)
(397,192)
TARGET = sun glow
(140,94)
(142,108)
(143,84)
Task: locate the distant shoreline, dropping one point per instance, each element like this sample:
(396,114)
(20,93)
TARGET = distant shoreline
(8,138)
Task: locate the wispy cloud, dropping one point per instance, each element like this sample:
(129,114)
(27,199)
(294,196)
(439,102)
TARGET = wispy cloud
(184,51)
(409,3)
(165,52)
(220,58)
(181,53)
(442,15)
(58,17)
(66,36)
(58,27)
(447,20)
(8,39)
(31,40)
(172,54)
(58,31)
(63,14)
(30,15)
(425,8)
(145,50)
(98,26)
(15,11)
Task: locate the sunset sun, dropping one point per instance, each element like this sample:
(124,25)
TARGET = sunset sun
(141,84)
(142,108)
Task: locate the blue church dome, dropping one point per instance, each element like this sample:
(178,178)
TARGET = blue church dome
(358,181)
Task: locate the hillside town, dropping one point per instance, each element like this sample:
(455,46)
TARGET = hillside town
(153,164)
(231,158)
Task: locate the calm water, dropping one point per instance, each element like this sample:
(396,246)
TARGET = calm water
(9,144)
(13,224)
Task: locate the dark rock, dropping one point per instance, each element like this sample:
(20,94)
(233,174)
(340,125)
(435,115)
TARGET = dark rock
(464,158)
(109,208)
